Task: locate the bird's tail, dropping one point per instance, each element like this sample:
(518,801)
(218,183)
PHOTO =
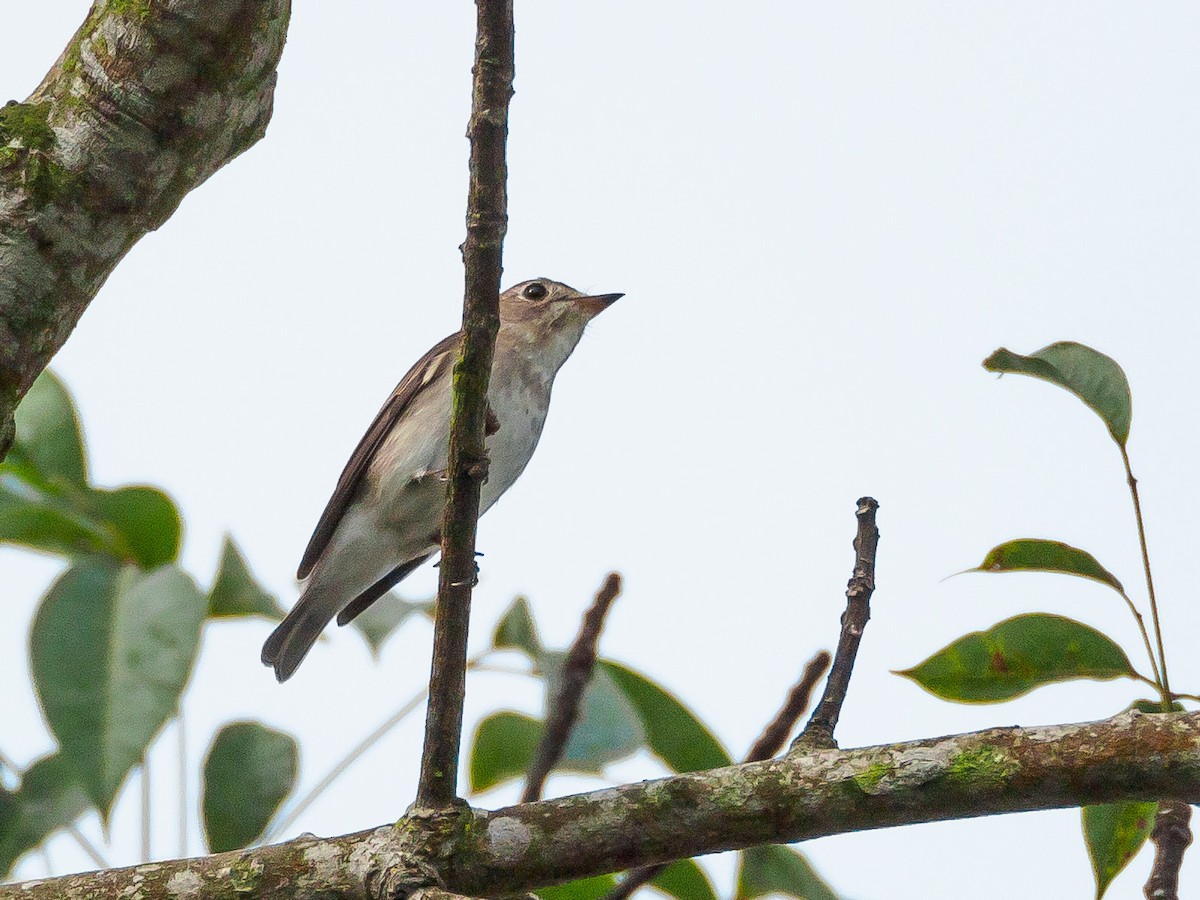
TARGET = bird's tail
(289,643)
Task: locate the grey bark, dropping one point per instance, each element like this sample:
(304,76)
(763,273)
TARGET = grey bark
(807,794)
(147,101)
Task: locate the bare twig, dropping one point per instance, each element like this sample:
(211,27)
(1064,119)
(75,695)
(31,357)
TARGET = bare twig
(769,743)
(576,672)
(1172,835)
(482,254)
(820,728)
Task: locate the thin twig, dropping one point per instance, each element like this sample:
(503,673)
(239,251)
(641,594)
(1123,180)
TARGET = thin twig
(820,728)
(769,743)
(181,754)
(487,220)
(355,753)
(1172,835)
(576,672)
(88,847)
(1141,527)
(145,785)
(1141,624)
(342,765)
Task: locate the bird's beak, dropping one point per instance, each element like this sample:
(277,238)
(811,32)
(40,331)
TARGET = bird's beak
(597,303)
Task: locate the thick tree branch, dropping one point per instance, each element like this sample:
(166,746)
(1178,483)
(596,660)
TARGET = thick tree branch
(487,221)
(808,793)
(148,100)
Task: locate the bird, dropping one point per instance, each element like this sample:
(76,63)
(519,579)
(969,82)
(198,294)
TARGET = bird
(384,518)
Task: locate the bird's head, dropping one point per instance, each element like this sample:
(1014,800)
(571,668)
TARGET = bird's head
(541,309)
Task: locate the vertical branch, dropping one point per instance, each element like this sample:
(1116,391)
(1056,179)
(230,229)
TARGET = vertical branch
(1172,835)
(487,219)
(819,731)
(1165,686)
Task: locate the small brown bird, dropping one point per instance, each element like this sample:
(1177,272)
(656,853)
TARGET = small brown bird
(384,518)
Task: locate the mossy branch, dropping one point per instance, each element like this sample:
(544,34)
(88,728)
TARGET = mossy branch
(806,794)
(145,103)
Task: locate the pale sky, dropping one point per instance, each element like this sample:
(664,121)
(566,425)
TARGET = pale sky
(823,217)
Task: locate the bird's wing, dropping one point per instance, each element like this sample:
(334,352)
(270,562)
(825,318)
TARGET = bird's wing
(426,370)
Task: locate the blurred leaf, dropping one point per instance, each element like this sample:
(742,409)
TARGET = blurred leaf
(502,749)
(684,880)
(48,799)
(673,732)
(49,445)
(139,524)
(379,621)
(235,592)
(248,773)
(1035,555)
(775,869)
(1114,834)
(609,726)
(1017,655)
(145,521)
(1091,376)
(48,522)
(584,889)
(111,649)
(516,630)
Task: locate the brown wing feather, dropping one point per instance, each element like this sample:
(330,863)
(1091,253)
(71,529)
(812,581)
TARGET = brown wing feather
(408,388)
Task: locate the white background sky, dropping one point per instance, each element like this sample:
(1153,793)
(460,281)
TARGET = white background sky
(823,217)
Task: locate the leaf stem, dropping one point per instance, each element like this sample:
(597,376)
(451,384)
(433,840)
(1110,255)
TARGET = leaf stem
(1165,687)
(1141,623)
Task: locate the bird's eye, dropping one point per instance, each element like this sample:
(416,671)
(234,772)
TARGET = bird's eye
(535,291)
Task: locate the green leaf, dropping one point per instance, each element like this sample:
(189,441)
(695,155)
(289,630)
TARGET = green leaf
(776,869)
(48,800)
(609,726)
(111,649)
(139,524)
(673,732)
(381,619)
(1035,555)
(684,880)
(1014,656)
(235,592)
(49,442)
(516,630)
(1114,834)
(1091,376)
(48,522)
(248,772)
(502,749)
(144,520)
(583,889)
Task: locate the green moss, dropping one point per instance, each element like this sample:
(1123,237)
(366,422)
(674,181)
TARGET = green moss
(28,123)
(982,767)
(138,10)
(245,875)
(868,779)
